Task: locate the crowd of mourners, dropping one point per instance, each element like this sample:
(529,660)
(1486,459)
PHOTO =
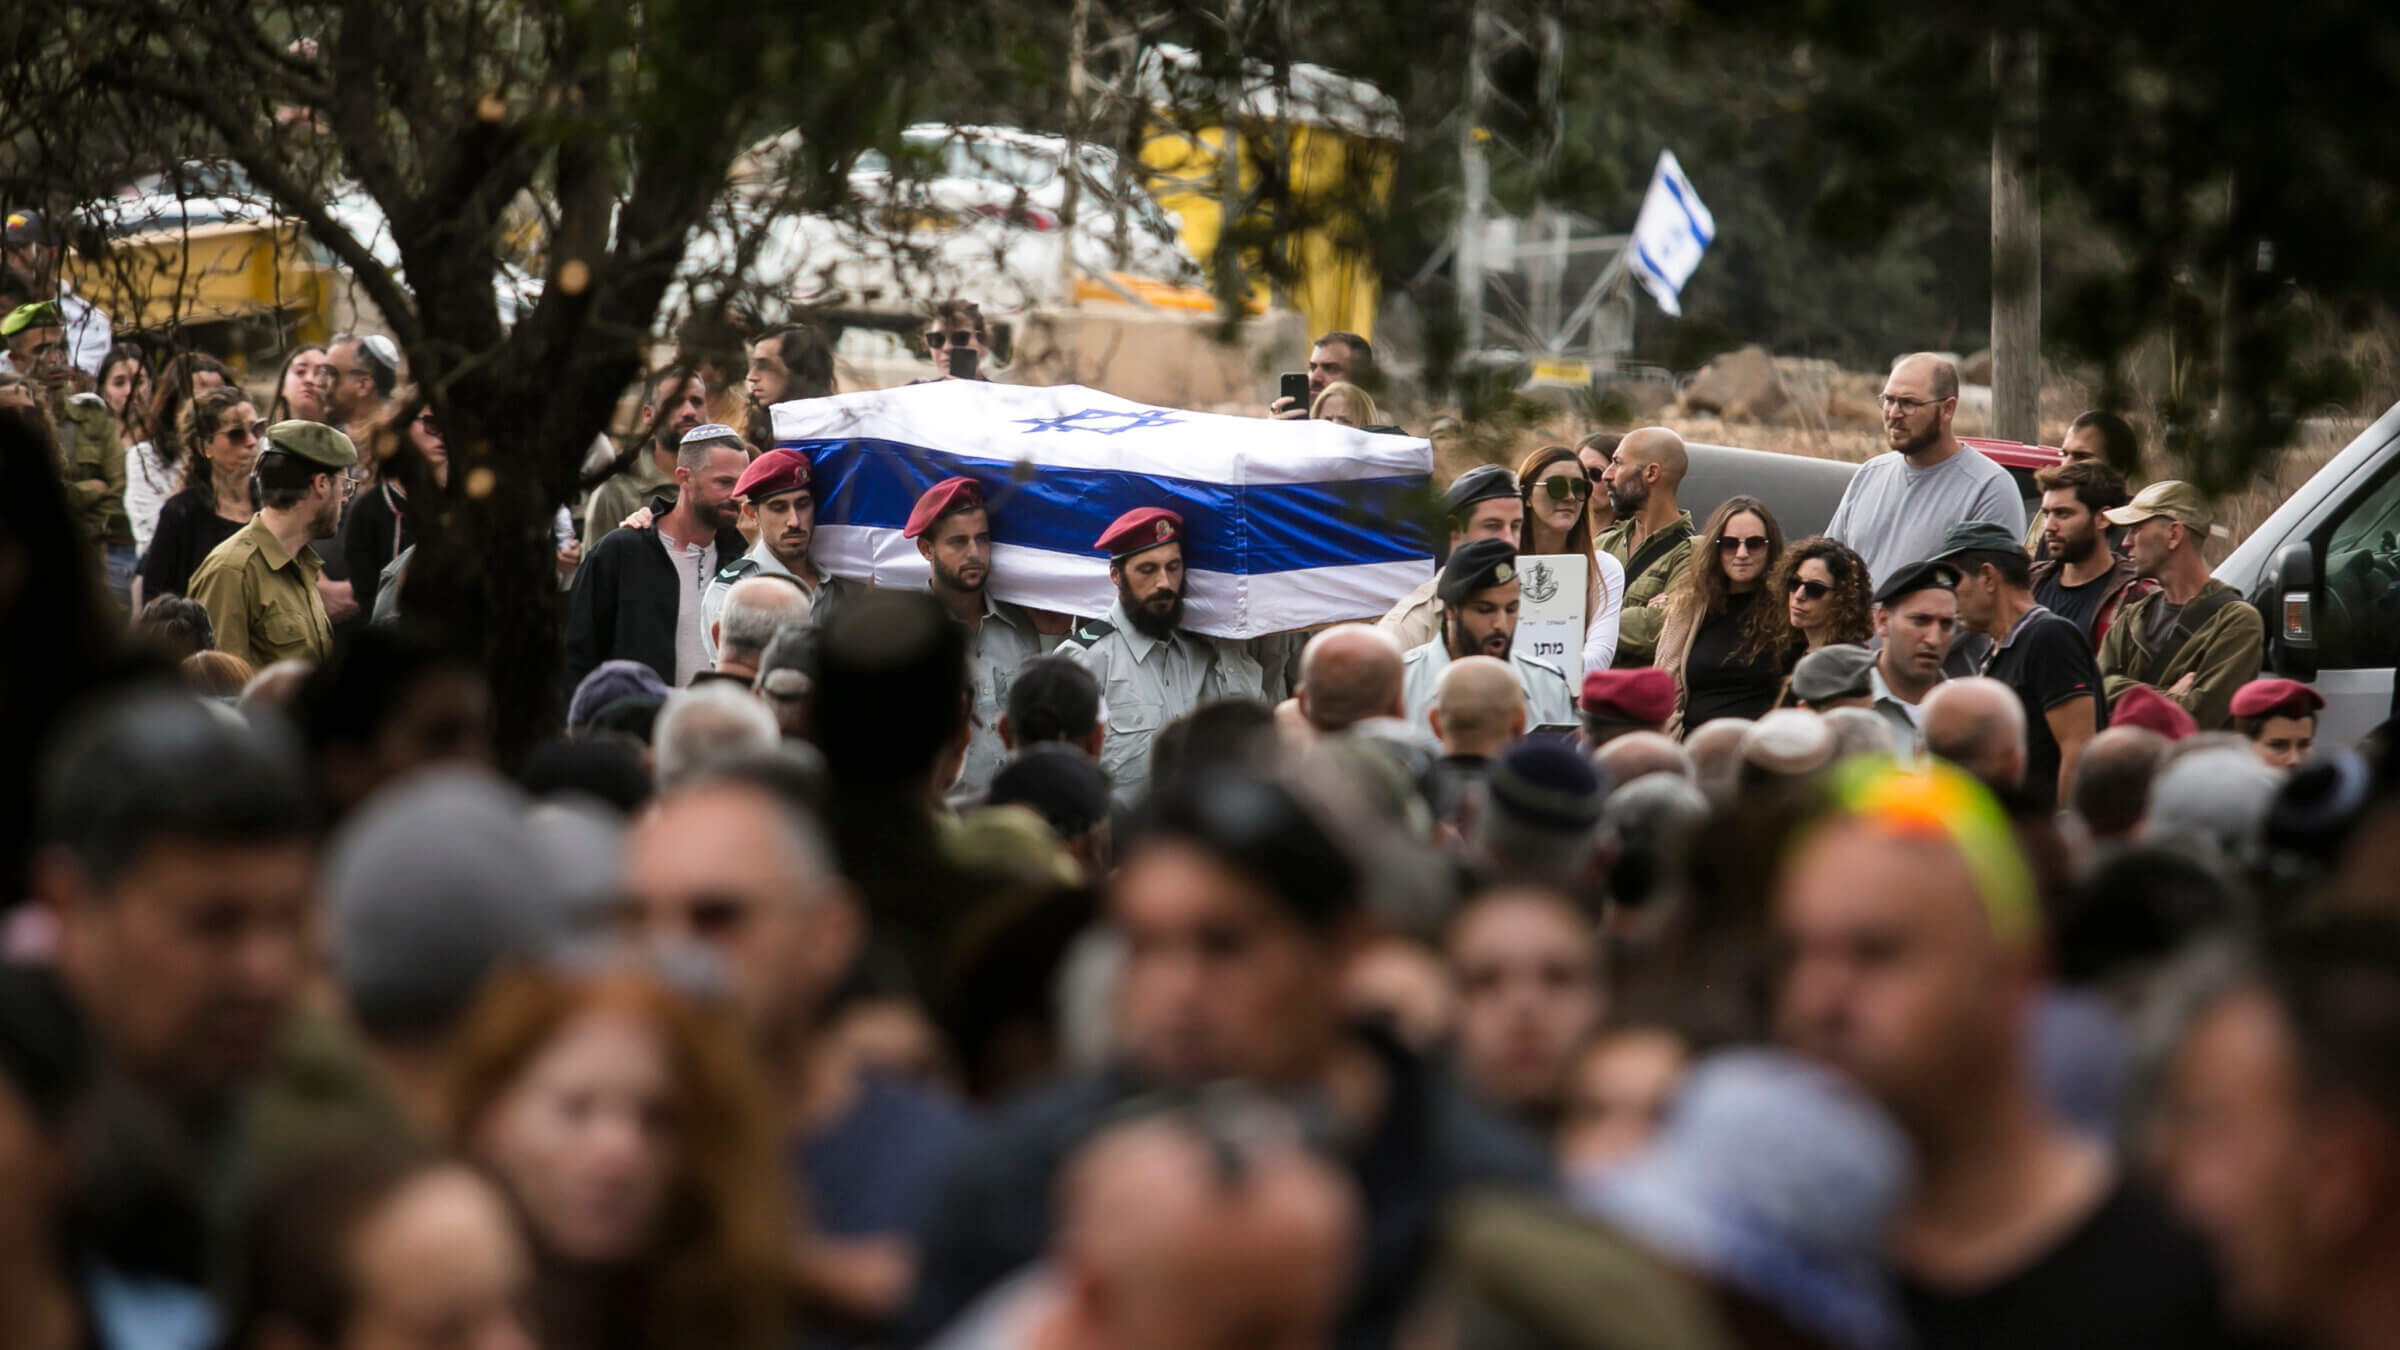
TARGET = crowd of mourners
(1932,932)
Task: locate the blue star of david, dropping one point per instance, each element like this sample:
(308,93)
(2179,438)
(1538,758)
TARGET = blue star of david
(1085,420)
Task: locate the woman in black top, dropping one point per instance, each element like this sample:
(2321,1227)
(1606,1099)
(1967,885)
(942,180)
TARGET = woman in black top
(1728,642)
(218,432)
(406,447)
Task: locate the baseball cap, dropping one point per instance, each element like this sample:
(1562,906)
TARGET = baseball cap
(39,314)
(32,227)
(2177,501)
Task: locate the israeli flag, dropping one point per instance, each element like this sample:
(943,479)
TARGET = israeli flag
(1287,524)
(1670,234)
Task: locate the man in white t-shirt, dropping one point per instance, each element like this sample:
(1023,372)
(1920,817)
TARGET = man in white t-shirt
(1899,505)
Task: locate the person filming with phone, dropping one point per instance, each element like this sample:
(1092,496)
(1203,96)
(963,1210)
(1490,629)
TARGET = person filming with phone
(957,341)
(1336,358)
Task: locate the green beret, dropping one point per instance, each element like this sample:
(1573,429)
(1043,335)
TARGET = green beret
(313,441)
(39,314)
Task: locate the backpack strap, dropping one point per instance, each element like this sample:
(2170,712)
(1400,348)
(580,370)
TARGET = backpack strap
(1657,546)
(2195,617)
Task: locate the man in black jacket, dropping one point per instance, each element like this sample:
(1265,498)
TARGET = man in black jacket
(637,596)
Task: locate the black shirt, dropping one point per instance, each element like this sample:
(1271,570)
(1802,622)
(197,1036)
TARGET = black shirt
(188,530)
(2128,1275)
(2078,605)
(2048,661)
(1714,686)
(372,535)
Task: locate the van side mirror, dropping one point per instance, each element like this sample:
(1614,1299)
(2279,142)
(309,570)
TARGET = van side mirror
(2292,623)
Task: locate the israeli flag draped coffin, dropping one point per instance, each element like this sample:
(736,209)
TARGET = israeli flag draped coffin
(1287,524)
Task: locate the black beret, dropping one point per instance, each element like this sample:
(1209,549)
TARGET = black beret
(1918,576)
(1478,485)
(1478,565)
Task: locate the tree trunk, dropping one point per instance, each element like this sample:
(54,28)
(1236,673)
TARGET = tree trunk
(2016,240)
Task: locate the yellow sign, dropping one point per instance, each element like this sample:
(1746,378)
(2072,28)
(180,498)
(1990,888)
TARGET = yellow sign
(1551,373)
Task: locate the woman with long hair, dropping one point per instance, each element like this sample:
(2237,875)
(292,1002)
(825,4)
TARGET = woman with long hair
(304,386)
(125,388)
(405,447)
(632,1132)
(1558,492)
(219,432)
(154,463)
(1728,643)
(1823,583)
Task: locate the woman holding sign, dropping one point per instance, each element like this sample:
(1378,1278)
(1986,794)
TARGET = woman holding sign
(1727,641)
(1558,493)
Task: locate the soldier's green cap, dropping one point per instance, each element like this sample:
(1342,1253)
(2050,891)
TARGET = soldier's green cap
(2179,502)
(313,441)
(39,314)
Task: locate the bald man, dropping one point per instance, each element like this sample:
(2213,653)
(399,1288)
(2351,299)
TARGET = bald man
(1899,505)
(2111,791)
(1913,965)
(1716,752)
(1179,1234)
(756,608)
(1348,675)
(1478,711)
(1639,754)
(1979,724)
(1652,536)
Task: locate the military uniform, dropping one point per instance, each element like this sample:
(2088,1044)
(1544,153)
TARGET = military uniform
(260,597)
(1006,640)
(622,493)
(1664,558)
(824,595)
(89,451)
(1548,700)
(1147,682)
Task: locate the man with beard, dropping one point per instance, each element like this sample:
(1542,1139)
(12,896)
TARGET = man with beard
(638,595)
(952,525)
(2080,577)
(1479,594)
(777,485)
(1899,505)
(1652,535)
(260,586)
(1150,671)
(1482,503)
(677,403)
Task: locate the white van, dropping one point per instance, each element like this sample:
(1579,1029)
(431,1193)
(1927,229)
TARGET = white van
(2324,571)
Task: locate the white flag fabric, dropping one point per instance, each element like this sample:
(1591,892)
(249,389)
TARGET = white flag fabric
(1670,234)
(1287,524)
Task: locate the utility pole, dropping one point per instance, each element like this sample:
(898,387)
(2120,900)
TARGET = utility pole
(1072,166)
(2016,239)
(1476,176)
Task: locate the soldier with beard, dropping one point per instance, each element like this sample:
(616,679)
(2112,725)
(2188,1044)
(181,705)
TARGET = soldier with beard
(260,586)
(777,485)
(1899,505)
(1479,595)
(638,595)
(1150,671)
(952,525)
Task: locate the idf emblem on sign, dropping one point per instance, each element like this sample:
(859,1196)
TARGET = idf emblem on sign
(1541,584)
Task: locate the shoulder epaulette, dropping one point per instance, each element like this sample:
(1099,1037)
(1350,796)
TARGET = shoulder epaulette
(1090,631)
(737,569)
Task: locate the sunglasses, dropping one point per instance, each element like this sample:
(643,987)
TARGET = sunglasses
(1562,487)
(241,434)
(1750,543)
(937,339)
(1814,590)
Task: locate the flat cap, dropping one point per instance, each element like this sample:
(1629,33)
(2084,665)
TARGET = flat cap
(2276,697)
(1642,696)
(773,473)
(2179,502)
(2143,706)
(315,442)
(944,497)
(32,227)
(1478,565)
(39,314)
(1977,536)
(1917,576)
(711,431)
(1480,484)
(1843,670)
(1139,530)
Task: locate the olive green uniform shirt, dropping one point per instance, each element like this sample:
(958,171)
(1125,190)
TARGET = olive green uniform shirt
(262,600)
(1639,625)
(621,494)
(89,452)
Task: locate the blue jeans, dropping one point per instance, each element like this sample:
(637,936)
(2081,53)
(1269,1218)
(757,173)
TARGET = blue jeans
(121,563)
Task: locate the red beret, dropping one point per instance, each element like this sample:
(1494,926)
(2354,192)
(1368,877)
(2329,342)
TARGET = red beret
(950,494)
(2276,698)
(1641,695)
(773,472)
(1144,527)
(2143,706)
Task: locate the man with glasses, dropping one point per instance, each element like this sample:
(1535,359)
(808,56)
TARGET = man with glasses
(91,460)
(956,326)
(1899,505)
(366,369)
(260,586)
